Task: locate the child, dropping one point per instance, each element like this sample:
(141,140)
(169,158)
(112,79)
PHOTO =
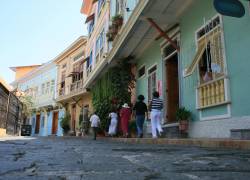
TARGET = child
(95,121)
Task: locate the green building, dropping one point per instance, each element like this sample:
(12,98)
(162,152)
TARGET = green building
(208,74)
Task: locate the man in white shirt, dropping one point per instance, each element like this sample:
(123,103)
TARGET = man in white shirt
(95,121)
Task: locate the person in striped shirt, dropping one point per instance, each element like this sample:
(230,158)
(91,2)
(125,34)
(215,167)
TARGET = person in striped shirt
(156,106)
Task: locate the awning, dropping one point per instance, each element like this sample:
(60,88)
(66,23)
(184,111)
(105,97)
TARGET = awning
(90,18)
(197,58)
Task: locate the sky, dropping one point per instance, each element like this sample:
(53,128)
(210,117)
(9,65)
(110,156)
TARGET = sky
(36,31)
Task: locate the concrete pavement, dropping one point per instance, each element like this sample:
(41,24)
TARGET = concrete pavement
(74,158)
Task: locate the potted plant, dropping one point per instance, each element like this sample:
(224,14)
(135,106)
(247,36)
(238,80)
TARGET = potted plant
(65,123)
(183,117)
(117,20)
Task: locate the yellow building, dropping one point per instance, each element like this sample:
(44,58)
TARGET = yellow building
(72,74)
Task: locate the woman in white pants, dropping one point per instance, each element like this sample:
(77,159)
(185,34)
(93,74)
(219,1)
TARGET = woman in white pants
(156,106)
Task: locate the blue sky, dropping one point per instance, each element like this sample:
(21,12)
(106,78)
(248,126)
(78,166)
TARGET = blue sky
(36,31)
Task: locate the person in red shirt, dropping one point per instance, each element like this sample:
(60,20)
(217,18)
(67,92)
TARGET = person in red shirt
(125,114)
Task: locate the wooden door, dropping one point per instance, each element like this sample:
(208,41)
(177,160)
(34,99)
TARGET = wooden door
(73,118)
(55,123)
(172,90)
(37,129)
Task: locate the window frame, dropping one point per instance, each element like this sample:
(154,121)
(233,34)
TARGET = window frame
(138,74)
(224,78)
(150,75)
(199,38)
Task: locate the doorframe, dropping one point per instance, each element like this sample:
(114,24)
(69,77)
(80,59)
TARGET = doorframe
(53,122)
(36,125)
(164,84)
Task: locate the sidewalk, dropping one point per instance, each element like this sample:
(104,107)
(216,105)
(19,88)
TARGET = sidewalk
(206,143)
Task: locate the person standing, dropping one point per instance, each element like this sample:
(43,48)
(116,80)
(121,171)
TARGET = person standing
(125,114)
(141,110)
(95,121)
(156,105)
(113,123)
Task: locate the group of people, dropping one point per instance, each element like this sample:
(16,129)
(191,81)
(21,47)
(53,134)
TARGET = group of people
(139,111)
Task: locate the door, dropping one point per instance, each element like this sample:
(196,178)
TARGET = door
(37,129)
(55,123)
(172,85)
(73,117)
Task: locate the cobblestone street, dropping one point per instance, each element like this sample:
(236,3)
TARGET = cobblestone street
(76,158)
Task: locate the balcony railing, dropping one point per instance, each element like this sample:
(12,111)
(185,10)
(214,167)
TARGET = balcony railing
(213,93)
(76,87)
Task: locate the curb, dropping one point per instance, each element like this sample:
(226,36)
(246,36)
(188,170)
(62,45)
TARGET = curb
(205,143)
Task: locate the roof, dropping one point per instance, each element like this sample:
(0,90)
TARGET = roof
(17,67)
(5,84)
(86,6)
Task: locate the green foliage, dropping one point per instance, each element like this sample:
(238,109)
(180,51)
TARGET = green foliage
(28,105)
(65,122)
(117,17)
(112,90)
(183,114)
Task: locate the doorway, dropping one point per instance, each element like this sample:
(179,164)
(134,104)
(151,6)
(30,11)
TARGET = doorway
(37,129)
(55,123)
(172,87)
(73,119)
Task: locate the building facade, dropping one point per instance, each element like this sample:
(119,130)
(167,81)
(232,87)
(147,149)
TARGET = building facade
(39,85)
(72,74)
(187,52)
(10,111)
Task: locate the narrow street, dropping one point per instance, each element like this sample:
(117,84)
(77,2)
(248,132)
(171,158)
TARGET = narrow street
(77,158)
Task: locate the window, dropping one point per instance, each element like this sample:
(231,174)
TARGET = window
(118,6)
(99,46)
(52,86)
(141,72)
(63,79)
(91,26)
(47,88)
(43,88)
(152,81)
(77,72)
(210,62)
(89,63)
(100,4)
(169,50)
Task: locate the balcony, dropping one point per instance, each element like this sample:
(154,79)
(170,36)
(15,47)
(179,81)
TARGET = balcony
(76,87)
(72,90)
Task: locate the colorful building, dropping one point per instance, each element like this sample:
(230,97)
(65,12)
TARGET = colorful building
(72,74)
(193,56)
(40,85)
